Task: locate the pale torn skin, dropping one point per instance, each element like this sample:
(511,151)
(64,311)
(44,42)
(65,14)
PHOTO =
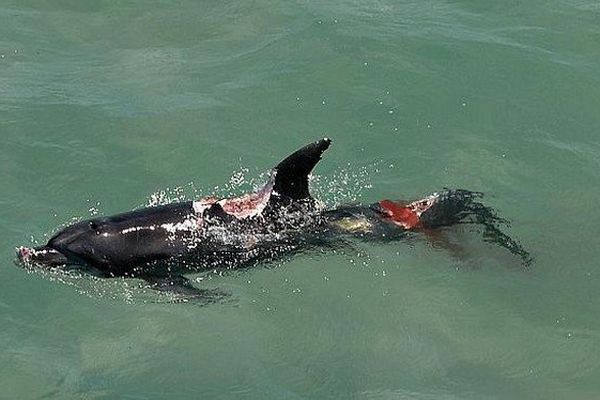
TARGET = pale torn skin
(422,205)
(242,207)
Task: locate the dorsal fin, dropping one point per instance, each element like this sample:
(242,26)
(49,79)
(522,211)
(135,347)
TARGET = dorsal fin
(291,175)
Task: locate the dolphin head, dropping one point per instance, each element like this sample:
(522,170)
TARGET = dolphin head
(76,244)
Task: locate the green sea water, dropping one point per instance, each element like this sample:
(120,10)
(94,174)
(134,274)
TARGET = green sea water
(106,106)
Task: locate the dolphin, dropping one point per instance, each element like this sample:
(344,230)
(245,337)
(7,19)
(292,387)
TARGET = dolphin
(161,244)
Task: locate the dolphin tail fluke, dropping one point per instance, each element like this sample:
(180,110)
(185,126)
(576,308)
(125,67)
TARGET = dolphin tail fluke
(291,174)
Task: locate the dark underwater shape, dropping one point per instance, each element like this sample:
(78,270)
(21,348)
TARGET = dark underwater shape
(160,244)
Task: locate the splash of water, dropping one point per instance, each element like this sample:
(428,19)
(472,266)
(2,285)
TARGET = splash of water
(347,184)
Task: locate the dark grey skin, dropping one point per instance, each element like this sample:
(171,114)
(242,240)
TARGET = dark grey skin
(160,244)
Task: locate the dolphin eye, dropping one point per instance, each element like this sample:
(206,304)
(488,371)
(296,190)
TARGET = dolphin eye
(93,225)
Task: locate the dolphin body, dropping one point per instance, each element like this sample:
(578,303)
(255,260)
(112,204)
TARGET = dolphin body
(160,244)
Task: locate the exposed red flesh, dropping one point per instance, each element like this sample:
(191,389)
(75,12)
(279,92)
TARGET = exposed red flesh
(407,215)
(400,214)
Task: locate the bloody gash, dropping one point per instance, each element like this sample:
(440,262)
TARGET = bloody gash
(160,244)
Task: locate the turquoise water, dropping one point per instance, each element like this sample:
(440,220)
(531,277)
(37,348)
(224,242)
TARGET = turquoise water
(106,106)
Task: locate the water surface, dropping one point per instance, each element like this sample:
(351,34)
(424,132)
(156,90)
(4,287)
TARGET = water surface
(106,105)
